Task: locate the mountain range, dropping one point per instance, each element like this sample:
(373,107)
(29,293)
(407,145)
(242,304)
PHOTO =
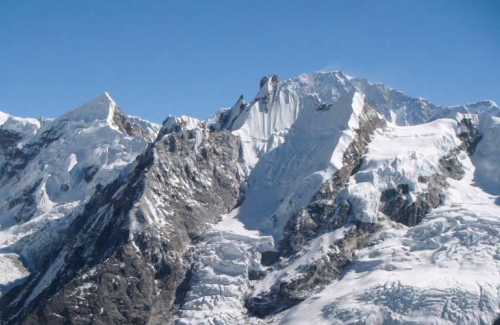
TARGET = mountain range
(325,199)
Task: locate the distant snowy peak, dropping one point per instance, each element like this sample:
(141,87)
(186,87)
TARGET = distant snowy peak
(176,123)
(24,126)
(481,107)
(396,107)
(485,108)
(318,91)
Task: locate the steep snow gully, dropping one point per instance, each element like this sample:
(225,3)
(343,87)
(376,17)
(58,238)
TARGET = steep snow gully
(324,200)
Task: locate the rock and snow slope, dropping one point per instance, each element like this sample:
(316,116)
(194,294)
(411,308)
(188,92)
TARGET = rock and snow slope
(49,168)
(335,201)
(444,270)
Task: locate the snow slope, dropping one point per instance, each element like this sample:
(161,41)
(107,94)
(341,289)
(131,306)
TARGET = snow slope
(280,130)
(487,156)
(286,178)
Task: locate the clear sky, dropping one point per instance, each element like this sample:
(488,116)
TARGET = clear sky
(192,57)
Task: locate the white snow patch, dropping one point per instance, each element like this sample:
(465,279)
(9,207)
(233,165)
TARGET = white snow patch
(12,271)
(400,154)
(72,161)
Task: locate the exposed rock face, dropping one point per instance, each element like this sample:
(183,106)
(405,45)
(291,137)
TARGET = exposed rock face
(126,248)
(268,91)
(314,276)
(16,158)
(127,126)
(470,135)
(9,140)
(26,203)
(269,258)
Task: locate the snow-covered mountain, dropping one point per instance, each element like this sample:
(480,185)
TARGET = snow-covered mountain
(50,169)
(324,200)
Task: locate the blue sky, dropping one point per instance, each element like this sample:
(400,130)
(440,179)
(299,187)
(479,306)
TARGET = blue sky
(192,57)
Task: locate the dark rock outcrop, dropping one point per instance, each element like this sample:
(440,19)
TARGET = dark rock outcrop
(314,277)
(470,136)
(17,155)
(125,125)
(323,107)
(89,173)
(268,258)
(25,203)
(265,101)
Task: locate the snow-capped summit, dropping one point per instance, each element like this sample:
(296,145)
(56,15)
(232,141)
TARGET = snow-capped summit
(100,108)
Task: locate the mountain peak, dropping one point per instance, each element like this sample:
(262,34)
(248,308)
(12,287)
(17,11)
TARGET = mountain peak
(107,95)
(99,108)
